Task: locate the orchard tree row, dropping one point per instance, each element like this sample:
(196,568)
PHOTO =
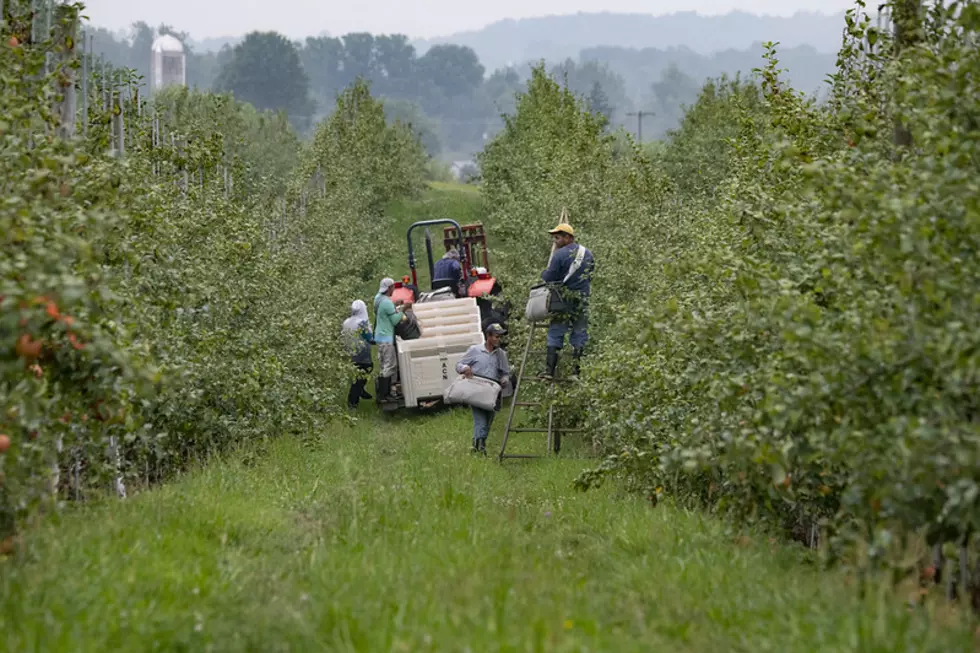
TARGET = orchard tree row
(162,305)
(784,315)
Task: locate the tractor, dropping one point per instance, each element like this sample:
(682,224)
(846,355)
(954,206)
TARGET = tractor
(471,243)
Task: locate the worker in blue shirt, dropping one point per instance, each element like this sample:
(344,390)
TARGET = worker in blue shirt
(449,267)
(489,361)
(572,265)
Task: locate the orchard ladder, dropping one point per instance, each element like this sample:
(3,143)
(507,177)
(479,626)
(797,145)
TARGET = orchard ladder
(554,433)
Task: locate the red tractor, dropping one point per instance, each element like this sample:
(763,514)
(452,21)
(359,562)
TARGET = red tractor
(471,243)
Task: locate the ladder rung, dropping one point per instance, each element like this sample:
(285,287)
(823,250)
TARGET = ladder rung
(540,380)
(520,455)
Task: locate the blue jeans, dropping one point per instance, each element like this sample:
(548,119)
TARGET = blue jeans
(578,322)
(482,421)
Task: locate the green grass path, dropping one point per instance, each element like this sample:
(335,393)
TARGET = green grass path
(388,536)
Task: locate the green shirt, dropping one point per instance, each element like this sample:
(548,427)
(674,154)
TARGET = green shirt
(385,319)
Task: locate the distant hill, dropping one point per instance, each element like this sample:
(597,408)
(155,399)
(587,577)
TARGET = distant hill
(807,68)
(555,38)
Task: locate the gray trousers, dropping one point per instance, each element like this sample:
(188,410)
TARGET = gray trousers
(386,355)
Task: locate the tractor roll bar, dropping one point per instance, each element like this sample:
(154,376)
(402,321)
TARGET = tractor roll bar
(464,261)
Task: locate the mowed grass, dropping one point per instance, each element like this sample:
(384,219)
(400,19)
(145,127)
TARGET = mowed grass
(388,536)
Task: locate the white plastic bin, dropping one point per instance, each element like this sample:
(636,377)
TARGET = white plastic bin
(427,365)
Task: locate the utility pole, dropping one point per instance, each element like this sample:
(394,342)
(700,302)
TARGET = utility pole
(639,122)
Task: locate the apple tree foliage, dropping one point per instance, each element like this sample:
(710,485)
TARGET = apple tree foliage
(786,295)
(163,305)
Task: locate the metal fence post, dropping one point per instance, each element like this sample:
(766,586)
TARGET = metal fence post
(121,124)
(67,32)
(86,51)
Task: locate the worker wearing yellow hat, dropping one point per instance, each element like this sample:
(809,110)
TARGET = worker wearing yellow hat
(571,265)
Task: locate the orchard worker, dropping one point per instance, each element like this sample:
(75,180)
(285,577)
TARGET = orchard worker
(569,257)
(449,267)
(386,317)
(357,338)
(489,361)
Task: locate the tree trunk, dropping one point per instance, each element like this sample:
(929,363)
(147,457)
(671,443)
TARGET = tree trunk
(908,32)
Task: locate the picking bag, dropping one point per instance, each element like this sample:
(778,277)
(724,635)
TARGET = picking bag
(546,299)
(477,391)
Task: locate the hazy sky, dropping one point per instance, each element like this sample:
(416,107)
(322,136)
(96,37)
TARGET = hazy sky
(416,18)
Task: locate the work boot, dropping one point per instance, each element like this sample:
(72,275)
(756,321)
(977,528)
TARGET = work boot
(384,388)
(482,446)
(551,363)
(576,360)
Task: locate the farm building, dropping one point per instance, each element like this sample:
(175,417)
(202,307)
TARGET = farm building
(168,66)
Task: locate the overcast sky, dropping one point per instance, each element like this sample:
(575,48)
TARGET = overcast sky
(416,18)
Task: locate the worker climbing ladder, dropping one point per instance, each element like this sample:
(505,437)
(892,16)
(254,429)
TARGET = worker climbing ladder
(553,433)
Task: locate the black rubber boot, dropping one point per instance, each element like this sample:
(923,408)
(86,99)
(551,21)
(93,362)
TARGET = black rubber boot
(551,363)
(384,388)
(576,361)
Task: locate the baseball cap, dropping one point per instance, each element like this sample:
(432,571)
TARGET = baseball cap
(386,283)
(496,330)
(563,229)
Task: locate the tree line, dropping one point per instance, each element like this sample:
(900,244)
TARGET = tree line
(446,93)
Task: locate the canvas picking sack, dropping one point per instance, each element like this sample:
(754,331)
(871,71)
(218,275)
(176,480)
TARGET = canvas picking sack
(546,299)
(409,329)
(477,391)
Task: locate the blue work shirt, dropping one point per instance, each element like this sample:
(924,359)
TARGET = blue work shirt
(447,268)
(490,365)
(581,281)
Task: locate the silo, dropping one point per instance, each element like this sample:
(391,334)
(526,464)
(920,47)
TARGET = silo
(169,64)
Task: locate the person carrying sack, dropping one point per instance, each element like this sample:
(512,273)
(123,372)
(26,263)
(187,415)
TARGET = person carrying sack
(489,361)
(571,266)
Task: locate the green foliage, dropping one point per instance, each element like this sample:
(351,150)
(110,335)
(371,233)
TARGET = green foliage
(787,338)
(553,155)
(163,305)
(437,171)
(598,101)
(450,70)
(265,71)
(603,88)
(383,161)
(441,92)
(411,115)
